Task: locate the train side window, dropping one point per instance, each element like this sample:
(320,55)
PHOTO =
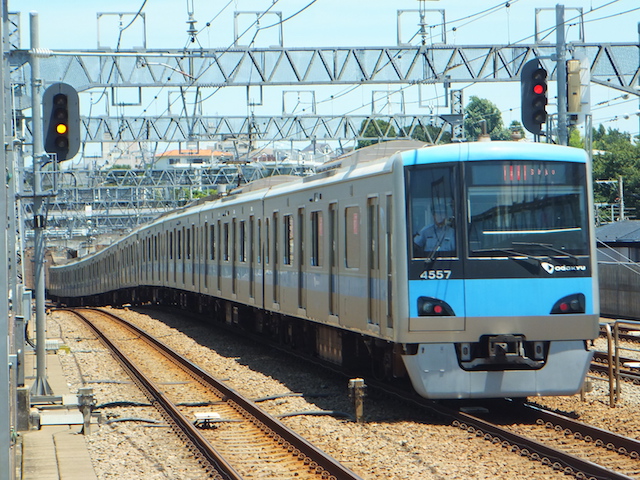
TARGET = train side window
(188,244)
(259,242)
(266,241)
(242,253)
(179,244)
(205,241)
(212,242)
(226,242)
(288,245)
(352,237)
(316,239)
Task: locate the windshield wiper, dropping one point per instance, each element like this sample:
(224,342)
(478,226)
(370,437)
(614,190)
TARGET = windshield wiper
(434,253)
(511,253)
(548,247)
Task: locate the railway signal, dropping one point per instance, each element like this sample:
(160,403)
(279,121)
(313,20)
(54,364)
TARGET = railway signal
(61,112)
(533,83)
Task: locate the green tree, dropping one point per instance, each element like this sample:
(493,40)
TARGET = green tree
(375,129)
(477,112)
(575,139)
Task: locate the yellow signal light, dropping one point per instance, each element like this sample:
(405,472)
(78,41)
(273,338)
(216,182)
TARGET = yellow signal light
(61,128)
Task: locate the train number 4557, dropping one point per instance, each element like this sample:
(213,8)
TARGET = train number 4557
(435,274)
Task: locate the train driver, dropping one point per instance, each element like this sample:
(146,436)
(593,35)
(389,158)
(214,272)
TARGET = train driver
(439,236)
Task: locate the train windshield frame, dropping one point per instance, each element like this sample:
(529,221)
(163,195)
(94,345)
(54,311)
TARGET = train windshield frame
(534,207)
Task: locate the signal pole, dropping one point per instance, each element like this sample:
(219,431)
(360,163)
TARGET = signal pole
(561,76)
(41,385)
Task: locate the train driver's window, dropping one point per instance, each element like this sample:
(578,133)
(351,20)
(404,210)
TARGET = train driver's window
(432,212)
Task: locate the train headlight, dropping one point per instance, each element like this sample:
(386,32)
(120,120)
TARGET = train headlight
(570,304)
(429,306)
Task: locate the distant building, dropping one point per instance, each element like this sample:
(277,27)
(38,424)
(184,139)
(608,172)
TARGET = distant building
(202,158)
(319,152)
(619,241)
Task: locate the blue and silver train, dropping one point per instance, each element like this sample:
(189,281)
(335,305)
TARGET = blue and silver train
(467,268)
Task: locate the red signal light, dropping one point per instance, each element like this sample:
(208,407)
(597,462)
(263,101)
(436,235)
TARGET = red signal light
(533,82)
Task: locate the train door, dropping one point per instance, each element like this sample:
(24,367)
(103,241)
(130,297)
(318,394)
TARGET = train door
(170,257)
(212,252)
(150,265)
(234,257)
(252,293)
(388,266)
(435,271)
(205,255)
(174,256)
(333,259)
(276,298)
(194,254)
(180,264)
(302,290)
(219,261)
(259,271)
(266,264)
(156,269)
(375,285)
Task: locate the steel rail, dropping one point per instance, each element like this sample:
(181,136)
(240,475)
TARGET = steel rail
(554,458)
(570,464)
(204,448)
(300,444)
(624,445)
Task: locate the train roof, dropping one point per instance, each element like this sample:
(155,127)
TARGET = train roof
(506,150)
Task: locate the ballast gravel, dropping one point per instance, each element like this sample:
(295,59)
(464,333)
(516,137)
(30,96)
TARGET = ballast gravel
(396,441)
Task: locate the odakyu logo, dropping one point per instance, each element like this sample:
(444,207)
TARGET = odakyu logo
(551,269)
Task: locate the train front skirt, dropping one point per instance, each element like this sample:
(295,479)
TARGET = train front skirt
(435,373)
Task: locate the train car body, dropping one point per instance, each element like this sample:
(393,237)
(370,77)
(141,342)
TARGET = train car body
(468,268)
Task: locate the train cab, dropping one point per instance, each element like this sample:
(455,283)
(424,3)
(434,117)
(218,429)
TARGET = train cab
(500,267)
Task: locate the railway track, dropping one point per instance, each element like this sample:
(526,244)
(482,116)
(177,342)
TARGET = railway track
(554,441)
(600,364)
(248,442)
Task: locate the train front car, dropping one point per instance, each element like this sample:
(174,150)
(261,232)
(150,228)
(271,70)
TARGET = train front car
(502,286)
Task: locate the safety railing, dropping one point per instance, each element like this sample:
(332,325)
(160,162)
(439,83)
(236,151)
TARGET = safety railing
(614,349)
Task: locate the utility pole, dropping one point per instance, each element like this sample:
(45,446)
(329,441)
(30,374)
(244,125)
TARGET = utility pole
(7,467)
(41,385)
(561,76)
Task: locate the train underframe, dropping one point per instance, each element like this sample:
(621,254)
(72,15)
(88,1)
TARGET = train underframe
(352,352)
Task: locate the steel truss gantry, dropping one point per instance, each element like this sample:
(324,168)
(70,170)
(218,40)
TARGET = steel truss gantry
(261,128)
(614,65)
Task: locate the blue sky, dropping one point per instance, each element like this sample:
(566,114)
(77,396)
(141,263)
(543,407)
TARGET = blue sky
(347,23)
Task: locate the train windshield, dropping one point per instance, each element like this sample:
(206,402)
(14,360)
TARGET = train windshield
(529,207)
